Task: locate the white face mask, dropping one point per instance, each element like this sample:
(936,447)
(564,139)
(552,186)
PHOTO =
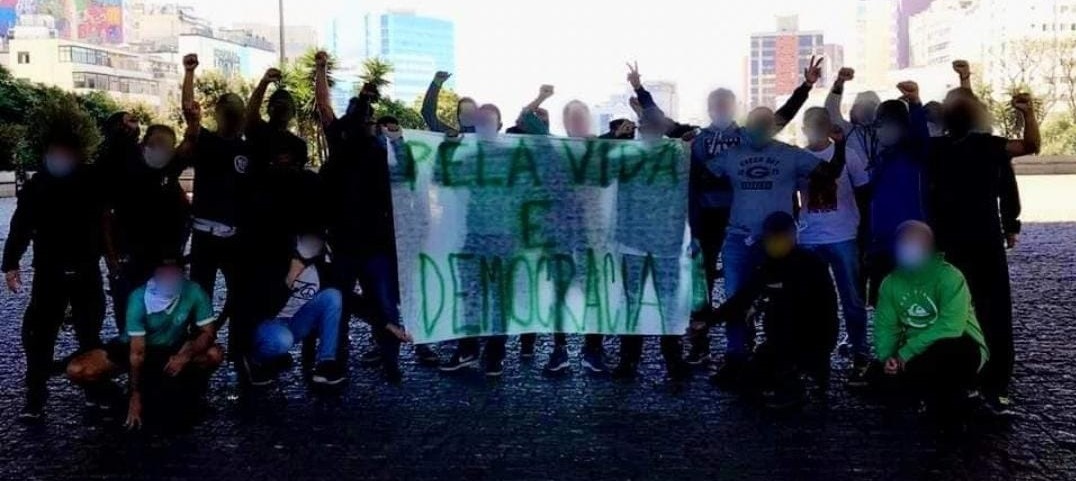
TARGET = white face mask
(936,129)
(393,135)
(157,158)
(309,248)
(720,120)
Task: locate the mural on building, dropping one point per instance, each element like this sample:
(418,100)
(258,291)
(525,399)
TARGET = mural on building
(8,15)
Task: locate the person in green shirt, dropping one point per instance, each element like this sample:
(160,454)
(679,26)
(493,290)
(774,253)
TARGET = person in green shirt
(926,336)
(171,334)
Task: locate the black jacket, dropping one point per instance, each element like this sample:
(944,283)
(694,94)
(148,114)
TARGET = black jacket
(151,212)
(798,300)
(63,217)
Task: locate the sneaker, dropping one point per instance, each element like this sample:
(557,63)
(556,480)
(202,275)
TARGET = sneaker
(626,370)
(391,371)
(34,409)
(697,357)
(999,405)
(459,362)
(370,358)
(526,351)
(558,360)
(678,371)
(494,368)
(427,356)
(329,373)
(256,374)
(859,375)
(595,362)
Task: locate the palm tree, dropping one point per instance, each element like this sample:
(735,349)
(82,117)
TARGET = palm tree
(299,80)
(375,71)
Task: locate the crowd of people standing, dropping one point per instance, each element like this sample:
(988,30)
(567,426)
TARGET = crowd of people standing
(904,207)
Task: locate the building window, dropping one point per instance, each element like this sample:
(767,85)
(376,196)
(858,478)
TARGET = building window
(24,58)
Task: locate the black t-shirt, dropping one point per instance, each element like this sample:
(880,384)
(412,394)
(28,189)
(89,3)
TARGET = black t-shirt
(151,212)
(360,197)
(968,179)
(267,145)
(221,171)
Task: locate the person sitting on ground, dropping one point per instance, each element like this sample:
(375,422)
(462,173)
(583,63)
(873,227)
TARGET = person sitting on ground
(169,346)
(794,294)
(926,335)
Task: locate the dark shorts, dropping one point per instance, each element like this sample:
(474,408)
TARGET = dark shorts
(119,353)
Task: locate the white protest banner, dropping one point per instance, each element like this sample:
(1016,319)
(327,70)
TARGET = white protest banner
(520,234)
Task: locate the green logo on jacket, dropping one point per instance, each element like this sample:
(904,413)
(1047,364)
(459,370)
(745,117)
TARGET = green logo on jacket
(918,310)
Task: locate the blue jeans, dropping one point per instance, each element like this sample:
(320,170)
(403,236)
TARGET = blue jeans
(275,337)
(740,261)
(843,258)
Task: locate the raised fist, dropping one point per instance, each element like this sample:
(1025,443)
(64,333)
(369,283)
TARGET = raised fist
(909,90)
(545,91)
(441,77)
(321,59)
(846,74)
(1022,103)
(190,62)
(272,75)
(962,68)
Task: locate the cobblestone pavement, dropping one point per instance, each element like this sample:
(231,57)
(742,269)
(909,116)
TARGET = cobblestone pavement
(527,426)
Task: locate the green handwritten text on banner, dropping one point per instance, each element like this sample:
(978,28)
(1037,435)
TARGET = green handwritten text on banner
(520,234)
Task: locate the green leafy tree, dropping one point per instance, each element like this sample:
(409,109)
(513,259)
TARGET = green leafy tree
(209,86)
(299,80)
(1059,136)
(447,105)
(62,117)
(408,117)
(375,71)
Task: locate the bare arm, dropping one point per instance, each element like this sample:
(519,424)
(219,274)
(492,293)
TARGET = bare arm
(137,359)
(321,89)
(1032,141)
(544,92)
(963,70)
(833,100)
(257,97)
(207,336)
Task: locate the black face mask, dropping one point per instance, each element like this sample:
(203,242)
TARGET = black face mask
(959,120)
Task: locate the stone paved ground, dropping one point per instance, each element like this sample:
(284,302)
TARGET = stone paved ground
(526,426)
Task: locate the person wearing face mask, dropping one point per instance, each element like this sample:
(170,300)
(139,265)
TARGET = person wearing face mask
(898,181)
(149,215)
(927,339)
(975,208)
(359,213)
(710,197)
(269,138)
(59,211)
(829,218)
(307,304)
(791,289)
(620,129)
(221,162)
(466,109)
(168,347)
(764,174)
(488,122)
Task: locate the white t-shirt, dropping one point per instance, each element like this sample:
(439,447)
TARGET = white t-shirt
(304,289)
(829,218)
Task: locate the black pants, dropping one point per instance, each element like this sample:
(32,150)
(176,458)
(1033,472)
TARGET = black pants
(941,374)
(877,267)
(987,271)
(631,349)
(779,367)
(210,254)
(592,343)
(712,224)
(52,291)
(376,274)
(495,347)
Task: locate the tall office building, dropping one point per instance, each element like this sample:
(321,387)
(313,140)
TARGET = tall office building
(777,59)
(417,47)
(906,10)
(875,51)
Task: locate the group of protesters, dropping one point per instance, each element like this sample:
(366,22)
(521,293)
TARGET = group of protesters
(902,206)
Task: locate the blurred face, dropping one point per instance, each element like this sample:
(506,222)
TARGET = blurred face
(281,109)
(960,113)
(229,113)
(60,161)
(577,120)
(488,121)
(626,130)
(863,112)
(761,127)
(310,246)
(168,279)
(722,108)
(778,245)
(158,149)
(914,248)
(391,130)
(468,111)
(817,126)
(131,123)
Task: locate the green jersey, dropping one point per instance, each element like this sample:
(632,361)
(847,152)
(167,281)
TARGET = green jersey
(172,326)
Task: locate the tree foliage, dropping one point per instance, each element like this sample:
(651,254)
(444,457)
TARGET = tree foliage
(408,117)
(447,105)
(209,86)
(299,80)
(376,71)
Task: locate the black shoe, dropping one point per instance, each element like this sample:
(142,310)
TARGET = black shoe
(370,358)
(459,362)
(729,375)
(558,360)
(426,356)
(594,361)
(697,357)
(526,351)
(34,409)
(329,373)
(256,374)
(494,368)
(999,405)
(391,371)
(859,376)
(626,371)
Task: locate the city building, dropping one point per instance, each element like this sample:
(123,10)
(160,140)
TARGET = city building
(38,54)
(8,15)
(161,24)
(229,58)
(938,35)
(875,50)
(777,60)
(906,10)
(93,21)
(417,47)
(298,39)
(666,96)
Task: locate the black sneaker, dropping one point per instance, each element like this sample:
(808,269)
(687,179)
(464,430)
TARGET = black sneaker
(426,356)
(494,368)
(999,405)
(329,373)
(370,358)
(34,409)
(256,374)
(526,351)
(626,371)
(459,362)
(391,371)
(859,376)
(558,360)
(595,362)
(697,357)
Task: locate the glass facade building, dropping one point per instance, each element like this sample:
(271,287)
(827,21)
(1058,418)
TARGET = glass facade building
(415,45)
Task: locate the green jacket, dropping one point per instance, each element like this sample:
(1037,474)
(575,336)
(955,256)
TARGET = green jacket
(917,308)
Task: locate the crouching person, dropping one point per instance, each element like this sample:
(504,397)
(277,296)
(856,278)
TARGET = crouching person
(169,347)
(926,336)
(793,293)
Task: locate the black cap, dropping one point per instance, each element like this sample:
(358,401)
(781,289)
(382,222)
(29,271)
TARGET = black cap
(778,223)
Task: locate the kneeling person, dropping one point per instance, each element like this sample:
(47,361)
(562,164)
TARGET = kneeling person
(169,346)
(926,334)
